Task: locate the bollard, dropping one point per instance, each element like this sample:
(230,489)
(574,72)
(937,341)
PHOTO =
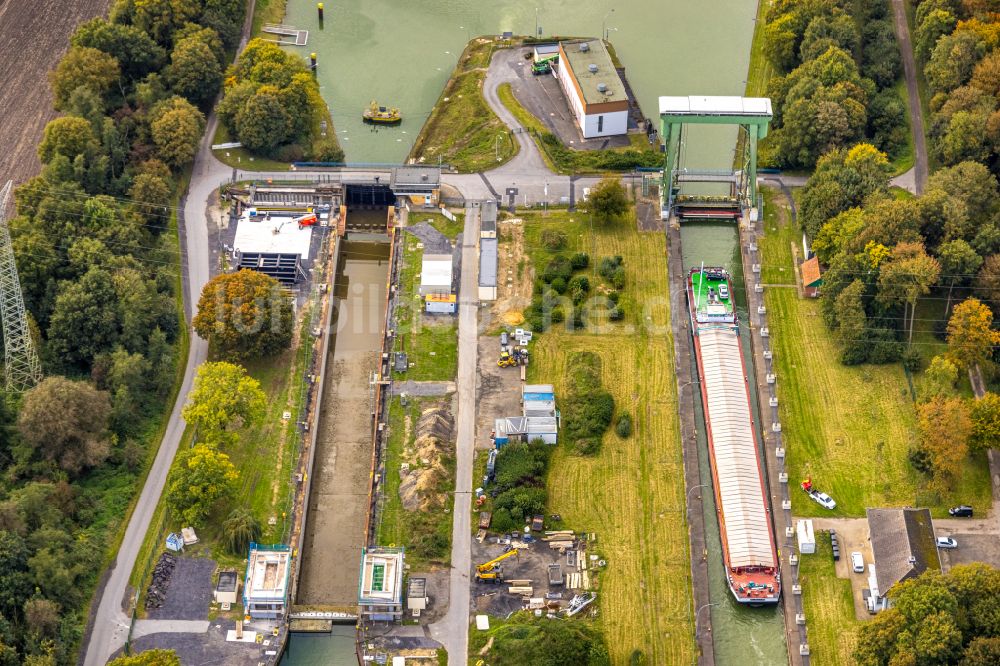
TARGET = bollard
(319,10)
(312,61)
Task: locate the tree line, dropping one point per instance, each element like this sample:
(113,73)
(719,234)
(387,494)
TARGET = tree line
(837,62)
(99,270)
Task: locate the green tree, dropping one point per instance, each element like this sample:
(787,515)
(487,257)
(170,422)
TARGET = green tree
(608,201)
(223,398)
(245,314)
(202,476)
(945,428)
(84,321)
(263,123)
(987,284)
(161,18)
(972,184)
(908,275)
(194,71)
(15,582)
(176,129)
(985,416)
(851,321)
(779,42)
(66,423)
(240,529)
(953,59)
(939,380)
(826,30)
(959,262)
(226,18)
(136,52)
(83,67)
(971,337)
(68,136)
(931,28)
(42,616)
(842,180)
(982,651)
(149,658)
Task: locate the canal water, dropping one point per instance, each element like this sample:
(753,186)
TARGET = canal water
(741,635)
(401,53)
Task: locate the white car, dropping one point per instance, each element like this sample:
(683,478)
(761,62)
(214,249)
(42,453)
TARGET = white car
(823,500)
(723,291)
(857,562)
(946,542)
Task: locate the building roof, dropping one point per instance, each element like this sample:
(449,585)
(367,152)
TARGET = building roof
(226,582)
(415,178)
(743,506)
(488,262)
(903,544)
(579,62)
(416,587)
(267,572)
(537,388)
(811,276)
(488,215)
(381,576)
(275,234)
(435,271)
(702,105)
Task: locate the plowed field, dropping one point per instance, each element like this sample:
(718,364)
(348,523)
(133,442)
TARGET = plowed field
(33,36)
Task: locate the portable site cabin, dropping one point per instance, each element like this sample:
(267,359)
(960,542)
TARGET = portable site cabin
(525,429)
(441,303)
(488,262)
(265,588)
(380,588)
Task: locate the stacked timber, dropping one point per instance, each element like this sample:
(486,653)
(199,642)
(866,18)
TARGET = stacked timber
(521,589)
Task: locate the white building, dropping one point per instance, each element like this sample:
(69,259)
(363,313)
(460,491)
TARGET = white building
(380,590)
(806,537)
(265,589)
(595,92)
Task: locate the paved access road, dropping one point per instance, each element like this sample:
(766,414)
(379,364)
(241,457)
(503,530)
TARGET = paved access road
(111,624)
(452,631)
(916,179)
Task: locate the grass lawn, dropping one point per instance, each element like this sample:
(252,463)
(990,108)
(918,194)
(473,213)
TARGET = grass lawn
(559,157)
(439,222)
(631,494)
(829,606)
(397,526)
(903,162)
(462,130)
(849,427)
(430,341)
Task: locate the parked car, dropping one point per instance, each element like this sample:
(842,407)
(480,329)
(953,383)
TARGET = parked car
(857,562)
(723,291)
(946,542)
(823,500)
(503,339)
(961,511)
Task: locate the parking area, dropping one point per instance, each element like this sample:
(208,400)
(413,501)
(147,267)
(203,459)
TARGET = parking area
(972,547)
(852,536)
(499,390)
(544,99)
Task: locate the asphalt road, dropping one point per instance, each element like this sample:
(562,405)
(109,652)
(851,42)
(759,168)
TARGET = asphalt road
(913,94)
(452,630)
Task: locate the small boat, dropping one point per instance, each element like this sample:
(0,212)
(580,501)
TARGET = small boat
(384,115)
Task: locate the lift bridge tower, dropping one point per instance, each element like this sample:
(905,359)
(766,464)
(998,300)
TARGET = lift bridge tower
(22,369)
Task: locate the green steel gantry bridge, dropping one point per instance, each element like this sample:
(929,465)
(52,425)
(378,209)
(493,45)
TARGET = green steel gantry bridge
(751,114)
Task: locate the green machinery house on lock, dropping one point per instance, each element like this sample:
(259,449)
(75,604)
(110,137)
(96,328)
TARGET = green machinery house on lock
(753,117)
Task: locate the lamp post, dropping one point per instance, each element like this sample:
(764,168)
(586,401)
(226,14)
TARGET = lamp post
(496,144)
(608,31)
(698,612)
(536,23)
(604,20)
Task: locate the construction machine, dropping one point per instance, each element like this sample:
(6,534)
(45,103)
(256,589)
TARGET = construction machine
(506,360)
(491,571)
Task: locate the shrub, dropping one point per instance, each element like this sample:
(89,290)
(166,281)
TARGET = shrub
(617,278)
(557,267)
(624,425)
(327,150)
(579,261)
(291,153)
(614,297)
(608,265)
(579,283)
(912,360)
(616,313)
(553,240)
(502,521)
(559,285)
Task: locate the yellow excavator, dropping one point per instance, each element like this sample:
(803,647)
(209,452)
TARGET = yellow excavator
(506,360)
(491,571)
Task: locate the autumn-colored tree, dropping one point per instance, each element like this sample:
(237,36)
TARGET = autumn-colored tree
(224,397)
(149,658)
(68,136)
(939,379)
(945,428)
(908,275)
(970,334)
(84,67)
(201,477)
(176,129)
(245,315)
(986,422)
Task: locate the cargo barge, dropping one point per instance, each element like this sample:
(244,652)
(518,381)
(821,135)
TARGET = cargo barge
(748,546)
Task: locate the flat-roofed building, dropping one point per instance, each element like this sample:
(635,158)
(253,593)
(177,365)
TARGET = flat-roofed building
(265,587)
(488,262)
(593,88)
(380,590)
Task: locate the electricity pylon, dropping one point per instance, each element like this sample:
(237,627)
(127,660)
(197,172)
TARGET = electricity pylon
(22,369)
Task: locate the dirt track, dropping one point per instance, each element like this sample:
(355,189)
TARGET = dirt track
(33,36)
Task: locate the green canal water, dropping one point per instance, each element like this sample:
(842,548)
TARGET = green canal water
(401,53)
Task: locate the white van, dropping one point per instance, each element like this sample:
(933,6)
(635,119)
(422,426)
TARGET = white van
(857,562)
